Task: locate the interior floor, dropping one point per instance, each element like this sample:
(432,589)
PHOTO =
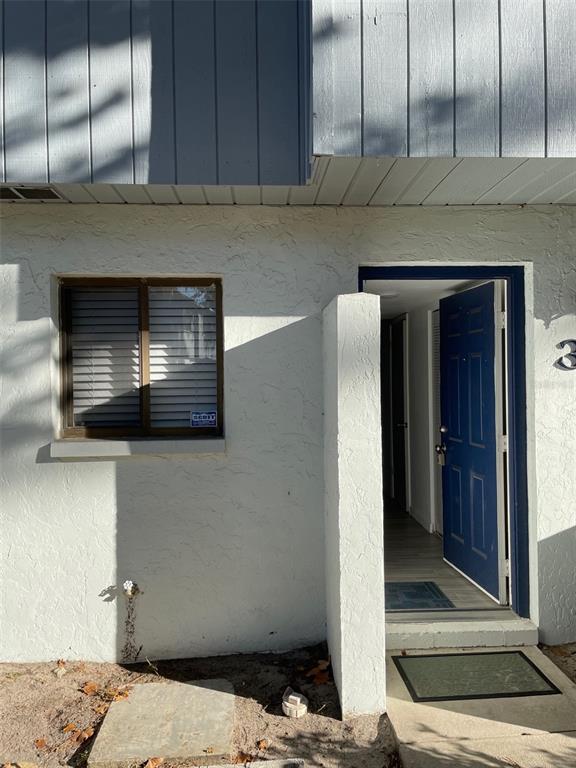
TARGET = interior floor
(413,554)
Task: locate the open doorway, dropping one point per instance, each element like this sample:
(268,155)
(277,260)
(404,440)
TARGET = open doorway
(451,481)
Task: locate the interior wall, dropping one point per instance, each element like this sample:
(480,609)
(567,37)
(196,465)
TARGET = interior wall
(419,417)
(385,405)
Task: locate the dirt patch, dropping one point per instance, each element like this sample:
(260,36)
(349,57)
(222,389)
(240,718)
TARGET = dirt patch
(50,710)
(564,656)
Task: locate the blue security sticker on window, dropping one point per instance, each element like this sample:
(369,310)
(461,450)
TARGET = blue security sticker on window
(202,418)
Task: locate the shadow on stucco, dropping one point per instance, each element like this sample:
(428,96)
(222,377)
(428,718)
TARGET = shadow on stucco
(227,550)
(557,563)
(209,539)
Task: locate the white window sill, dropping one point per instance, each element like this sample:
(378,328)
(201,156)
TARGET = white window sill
(109,449)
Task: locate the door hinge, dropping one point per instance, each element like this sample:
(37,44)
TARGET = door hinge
(503,441)
(507,567)
(501,320)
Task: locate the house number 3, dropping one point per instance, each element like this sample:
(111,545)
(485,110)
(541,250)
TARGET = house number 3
(568,360)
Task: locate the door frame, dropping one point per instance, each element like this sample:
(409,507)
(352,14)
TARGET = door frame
(514,277)
(435,470)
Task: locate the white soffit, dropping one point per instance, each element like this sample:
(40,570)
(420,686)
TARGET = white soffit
(369,181)
(401,296)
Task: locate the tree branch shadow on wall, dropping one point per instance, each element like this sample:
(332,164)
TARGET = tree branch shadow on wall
(152,158)
(430,122)
(88,127)
(228,550)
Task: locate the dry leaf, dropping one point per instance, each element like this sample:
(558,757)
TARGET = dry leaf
(154,762)
(90,688)
(40,743)
(85,734)
(60,663)
(121,695)
(262,744)
(101,709)
(241,758)
(115,694)
(209,750)
(69,728)
(319,673)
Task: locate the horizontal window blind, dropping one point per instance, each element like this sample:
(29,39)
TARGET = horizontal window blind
(105,356)
(142,356)
(183,367)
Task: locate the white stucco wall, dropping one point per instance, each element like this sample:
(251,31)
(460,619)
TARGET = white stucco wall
(353,502)
(229,550)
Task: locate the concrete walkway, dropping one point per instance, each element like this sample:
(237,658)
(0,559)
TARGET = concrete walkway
(523,732)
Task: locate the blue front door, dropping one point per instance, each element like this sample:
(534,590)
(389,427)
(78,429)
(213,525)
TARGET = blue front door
(469,436)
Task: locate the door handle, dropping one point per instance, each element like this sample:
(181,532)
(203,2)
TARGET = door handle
(440,449)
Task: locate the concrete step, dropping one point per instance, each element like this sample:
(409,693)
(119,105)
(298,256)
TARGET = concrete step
(460,633)
(523,731)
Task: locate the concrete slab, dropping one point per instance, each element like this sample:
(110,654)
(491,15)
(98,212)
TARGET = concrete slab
(172,720)
(542,751)
(420,723)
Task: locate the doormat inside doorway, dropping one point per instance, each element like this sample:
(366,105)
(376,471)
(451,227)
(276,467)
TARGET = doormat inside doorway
(455,676)
(415,596)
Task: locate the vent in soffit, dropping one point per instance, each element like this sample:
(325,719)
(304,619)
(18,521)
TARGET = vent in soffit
(29,193)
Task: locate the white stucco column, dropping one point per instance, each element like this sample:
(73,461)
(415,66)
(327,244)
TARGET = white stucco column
(353,501)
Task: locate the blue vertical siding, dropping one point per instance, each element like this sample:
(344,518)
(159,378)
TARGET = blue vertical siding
(278,91)
(195,72)
(237,91)
(25,113)
(155,91)
(444,78)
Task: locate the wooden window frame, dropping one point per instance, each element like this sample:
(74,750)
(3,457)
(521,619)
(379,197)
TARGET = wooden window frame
(68,430)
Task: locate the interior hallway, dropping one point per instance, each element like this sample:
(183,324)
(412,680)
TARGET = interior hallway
(412,554)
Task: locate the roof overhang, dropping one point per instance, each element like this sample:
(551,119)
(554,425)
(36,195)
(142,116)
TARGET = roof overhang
(368,181)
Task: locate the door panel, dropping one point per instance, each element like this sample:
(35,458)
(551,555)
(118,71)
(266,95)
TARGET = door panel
(468,407)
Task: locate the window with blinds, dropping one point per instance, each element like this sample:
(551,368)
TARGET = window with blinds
(141,357)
